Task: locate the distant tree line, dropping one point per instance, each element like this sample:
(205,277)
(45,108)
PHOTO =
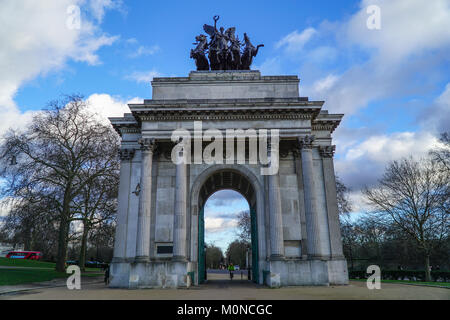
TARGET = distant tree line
(60,179)
(214,257)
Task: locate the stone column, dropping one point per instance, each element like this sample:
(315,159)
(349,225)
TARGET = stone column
(312,219)
(179,227)
(275,217)
(301,200)
(145,196)
(327,153)
(126,155)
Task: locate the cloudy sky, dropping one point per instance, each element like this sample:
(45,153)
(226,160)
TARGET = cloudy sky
(221,212)
(393,84)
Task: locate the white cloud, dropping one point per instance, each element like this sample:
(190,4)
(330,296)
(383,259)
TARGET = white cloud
(413,40)
(270,66)
(35,41)
(98,7)
(358,202)
(325,83)
(437,117)
(214,225)
(5,206)
(144,51)
(143,76)
(106,105)
(408,27)
(364,162)
(12,117)
(295,41)
(86,51)
(225,198)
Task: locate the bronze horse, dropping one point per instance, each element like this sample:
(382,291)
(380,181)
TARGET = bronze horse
(249,52)
(198,54)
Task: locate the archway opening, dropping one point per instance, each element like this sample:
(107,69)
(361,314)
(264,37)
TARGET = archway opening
(227,235)
(227,223)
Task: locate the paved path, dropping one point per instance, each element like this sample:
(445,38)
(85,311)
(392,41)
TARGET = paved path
(29,287)
(236,289)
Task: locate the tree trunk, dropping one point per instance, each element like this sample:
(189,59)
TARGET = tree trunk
(62,237)
(427,268)
(62,245)
(63,232)
(351,257)
(27,236)
(82,258)
(27,241)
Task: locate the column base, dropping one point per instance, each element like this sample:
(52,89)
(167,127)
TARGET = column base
(299,272)
(338,272)
(119,274)
(159,274)
(319,257)
(277,257)
(179,259)
(141,259)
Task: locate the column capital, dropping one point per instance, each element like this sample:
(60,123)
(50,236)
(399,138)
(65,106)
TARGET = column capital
(147,144)
(327,151)
(126,154)
(306,142)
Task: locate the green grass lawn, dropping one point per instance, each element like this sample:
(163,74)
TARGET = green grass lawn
(19,276)
(30,272)
(34,264)
(442,284)
(25,263)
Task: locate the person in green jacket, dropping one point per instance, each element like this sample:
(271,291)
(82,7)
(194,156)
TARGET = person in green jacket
(231,269)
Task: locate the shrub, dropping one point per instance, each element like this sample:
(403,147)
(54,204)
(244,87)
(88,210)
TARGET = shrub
(418,275)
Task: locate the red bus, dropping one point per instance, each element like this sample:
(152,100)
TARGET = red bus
(30,255)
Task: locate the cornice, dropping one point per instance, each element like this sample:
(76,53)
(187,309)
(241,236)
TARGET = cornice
(221,116)
(226,109)
(326,122)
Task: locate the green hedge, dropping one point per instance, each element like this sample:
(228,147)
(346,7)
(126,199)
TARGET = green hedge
(436,275)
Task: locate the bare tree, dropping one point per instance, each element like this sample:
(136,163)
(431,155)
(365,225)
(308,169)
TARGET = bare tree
(350,233)
(342,191)
(244,226)
(214,256)
(442,154)
(63,149)
(410,195)
(236,252)
(96,204)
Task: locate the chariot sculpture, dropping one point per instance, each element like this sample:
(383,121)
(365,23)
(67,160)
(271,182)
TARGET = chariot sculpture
(224,51)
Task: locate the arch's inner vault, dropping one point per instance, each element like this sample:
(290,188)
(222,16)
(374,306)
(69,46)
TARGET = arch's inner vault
(295,227)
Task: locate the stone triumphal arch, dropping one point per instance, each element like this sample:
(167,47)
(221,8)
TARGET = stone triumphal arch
(160,227)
